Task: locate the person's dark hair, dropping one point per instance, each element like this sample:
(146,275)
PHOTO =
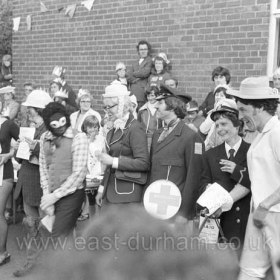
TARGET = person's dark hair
(90,121)
(177,105)
(144,42)
(39,111)
(29,84)
(152,89)
(51,109)
(224,90)
(173,79)
(57,83)
(268,105)
(221,71)
(158,58)
(228,115)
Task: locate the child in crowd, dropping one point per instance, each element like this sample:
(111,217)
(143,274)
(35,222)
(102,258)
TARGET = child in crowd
(121,73)
(220,77)
(159,73)
(171,82)
(192,119)
(6,77)
(91,127)
(147,114)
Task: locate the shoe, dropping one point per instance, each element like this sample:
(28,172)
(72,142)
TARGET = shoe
(5,258)
(24,270)
(83,217)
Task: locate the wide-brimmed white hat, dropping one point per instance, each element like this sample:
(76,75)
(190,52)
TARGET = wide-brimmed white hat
(116,89)
(255,88)
(37,98)
(7,89)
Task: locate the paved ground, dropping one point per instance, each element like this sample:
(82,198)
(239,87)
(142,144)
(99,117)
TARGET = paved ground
(15,236)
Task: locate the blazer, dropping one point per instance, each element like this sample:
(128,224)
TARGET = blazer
(130,147)
(138,77)
(181,150)
(233,222)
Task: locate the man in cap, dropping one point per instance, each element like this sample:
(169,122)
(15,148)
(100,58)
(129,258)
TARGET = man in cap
(257,104)
(176,151)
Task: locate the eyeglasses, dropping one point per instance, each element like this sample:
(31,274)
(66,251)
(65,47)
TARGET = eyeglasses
(85,101)
(106,108)
(143,49)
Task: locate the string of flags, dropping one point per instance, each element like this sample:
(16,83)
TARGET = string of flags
(69,11)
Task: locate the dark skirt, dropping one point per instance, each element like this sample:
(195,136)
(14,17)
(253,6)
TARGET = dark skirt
(29,183)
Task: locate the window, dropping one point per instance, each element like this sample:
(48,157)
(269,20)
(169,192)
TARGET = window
(273,57)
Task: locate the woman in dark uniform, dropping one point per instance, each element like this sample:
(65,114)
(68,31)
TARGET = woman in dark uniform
(226,165)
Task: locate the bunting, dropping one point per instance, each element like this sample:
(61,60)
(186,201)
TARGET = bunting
(44,9)
(69,11)
(28,22)
(16,23)
(88,4)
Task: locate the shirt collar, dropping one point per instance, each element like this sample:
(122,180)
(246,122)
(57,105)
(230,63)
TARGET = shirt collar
(270,124)
(235,147)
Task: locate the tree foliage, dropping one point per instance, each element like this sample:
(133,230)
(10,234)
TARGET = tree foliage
(6,27)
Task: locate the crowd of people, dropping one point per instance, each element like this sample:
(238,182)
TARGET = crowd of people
(79,161)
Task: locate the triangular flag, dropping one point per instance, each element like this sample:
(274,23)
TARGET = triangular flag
(88,4)
(28,22)
(43,8)
(70,10)
(16,24)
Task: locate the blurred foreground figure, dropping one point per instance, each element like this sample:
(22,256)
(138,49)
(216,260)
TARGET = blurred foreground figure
(119,245)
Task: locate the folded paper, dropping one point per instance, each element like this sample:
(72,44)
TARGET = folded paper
(215,197)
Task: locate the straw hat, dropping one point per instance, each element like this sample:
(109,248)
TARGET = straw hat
(255,88)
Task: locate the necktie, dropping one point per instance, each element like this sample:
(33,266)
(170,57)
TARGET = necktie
(231,154)
(166,131)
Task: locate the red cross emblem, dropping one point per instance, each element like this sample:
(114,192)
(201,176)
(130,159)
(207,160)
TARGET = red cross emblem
(162,199)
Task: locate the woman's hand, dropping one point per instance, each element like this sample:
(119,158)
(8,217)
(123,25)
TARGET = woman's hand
(4,158)
(98,199)
(228,166)
(105,158)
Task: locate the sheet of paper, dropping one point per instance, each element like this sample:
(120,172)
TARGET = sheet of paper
(23,151)
(48,222)
(214,197)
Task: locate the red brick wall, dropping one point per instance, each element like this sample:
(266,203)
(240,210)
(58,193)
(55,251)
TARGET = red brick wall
(197,36)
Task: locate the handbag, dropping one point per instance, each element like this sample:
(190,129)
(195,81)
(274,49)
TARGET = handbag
(132,176)
(136,177)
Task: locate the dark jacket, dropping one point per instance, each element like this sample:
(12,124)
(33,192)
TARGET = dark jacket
(182,150)
(208,103)
(138,77)
(130,147)
(233,222)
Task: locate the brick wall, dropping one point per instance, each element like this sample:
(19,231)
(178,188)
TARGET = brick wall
(197,36)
